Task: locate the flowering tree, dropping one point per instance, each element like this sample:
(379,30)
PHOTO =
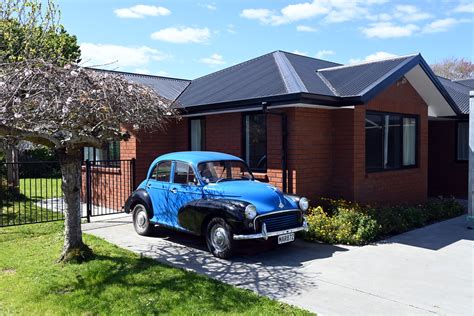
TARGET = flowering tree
(454,68)
(67,108)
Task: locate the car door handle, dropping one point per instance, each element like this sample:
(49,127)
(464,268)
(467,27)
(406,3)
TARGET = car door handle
(173,190)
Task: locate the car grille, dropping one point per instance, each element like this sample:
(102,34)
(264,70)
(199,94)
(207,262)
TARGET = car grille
(280,221)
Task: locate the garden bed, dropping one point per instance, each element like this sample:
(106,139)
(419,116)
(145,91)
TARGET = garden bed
(344,222)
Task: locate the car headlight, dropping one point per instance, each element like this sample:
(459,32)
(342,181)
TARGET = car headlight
(304,204)
(250,211)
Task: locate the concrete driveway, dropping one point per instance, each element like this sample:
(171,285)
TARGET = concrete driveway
(425,271)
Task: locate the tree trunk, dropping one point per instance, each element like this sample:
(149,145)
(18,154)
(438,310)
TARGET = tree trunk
(70,161)
(13,176)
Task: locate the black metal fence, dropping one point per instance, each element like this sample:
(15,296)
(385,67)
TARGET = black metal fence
(30,192)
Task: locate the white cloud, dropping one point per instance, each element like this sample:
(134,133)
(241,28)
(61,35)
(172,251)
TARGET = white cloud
(305,28)
(297,52)
(334,11)
(211,7)
(372,57)
(410,13)
(144,71)
(465,8)
(162,73)
(182,35)
(441,25)
(140,11)
(231,29)
(123,56)
(256,14)
(389,30)
(323,53)
(213,60)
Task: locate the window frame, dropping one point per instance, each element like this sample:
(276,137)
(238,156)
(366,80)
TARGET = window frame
(171,175)
(104,162)
(456,142)
(203,133)
(417,141)
(190,165)
(244,145)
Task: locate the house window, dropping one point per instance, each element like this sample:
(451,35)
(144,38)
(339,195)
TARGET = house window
(463,141)
(109,152)
(198,134)
(390,141)
(255,141)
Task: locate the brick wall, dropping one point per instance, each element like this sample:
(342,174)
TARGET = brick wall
(446,176)
(402,186)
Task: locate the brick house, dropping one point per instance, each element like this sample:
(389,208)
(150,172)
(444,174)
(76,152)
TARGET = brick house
(364,132)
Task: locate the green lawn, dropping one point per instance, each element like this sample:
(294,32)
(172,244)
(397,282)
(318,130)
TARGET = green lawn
(22,208)
(42,188)
(117,282)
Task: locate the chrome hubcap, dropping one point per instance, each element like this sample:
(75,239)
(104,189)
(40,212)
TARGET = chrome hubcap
(141,219)
(219,238)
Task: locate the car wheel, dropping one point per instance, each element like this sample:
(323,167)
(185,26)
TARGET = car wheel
(141,222)
(219,238)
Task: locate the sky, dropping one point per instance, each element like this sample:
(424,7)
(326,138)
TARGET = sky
(189,39)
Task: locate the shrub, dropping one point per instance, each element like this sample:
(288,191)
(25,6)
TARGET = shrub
(345,222)
(345,226)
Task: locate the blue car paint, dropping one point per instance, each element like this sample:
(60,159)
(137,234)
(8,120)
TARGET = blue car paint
(166,204)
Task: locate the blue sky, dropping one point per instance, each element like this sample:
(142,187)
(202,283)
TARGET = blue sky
(188,39)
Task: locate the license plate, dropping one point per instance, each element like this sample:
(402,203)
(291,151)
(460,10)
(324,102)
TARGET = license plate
(286,238)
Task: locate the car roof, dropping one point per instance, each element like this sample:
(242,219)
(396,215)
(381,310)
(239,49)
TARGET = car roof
(195,157)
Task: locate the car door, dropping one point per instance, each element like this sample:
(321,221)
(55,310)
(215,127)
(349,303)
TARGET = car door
(184,188)
(158,187)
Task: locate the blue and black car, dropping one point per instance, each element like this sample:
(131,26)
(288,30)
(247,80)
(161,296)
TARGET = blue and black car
(214,195)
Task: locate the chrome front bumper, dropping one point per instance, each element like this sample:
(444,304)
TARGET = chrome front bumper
(265,235)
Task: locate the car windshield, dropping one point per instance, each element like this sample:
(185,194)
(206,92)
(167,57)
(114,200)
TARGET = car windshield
(224,170)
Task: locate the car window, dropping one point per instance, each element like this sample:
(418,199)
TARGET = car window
(162,171)
(184,174)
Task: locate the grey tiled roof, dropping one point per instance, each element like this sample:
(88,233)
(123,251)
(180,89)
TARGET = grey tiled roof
(354,80)
(458,92)
(170,88)
(467,82)
(286,76)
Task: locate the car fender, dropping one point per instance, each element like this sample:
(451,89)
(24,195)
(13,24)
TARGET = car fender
(195,214)
(139,196)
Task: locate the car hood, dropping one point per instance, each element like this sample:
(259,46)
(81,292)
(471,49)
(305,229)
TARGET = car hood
(265,197)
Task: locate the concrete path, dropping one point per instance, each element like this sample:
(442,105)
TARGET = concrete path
(425,271)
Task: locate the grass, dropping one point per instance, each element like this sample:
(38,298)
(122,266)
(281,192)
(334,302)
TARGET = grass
(41,188)
(20,207)
(116,282)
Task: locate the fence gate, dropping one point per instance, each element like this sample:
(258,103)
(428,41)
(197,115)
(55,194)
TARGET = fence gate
(30,192)
(108,183)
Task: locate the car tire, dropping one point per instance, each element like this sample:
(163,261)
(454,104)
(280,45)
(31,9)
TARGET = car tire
(141,221)
(219,238)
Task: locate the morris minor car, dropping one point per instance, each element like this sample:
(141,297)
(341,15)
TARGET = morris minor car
(214,195)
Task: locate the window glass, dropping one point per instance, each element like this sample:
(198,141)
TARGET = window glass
(390,141)
(374,141)
(224,170)
(393,139)
(184,174)
(162,171)
(198,134)
(111,151)
(409,141)
(255,134)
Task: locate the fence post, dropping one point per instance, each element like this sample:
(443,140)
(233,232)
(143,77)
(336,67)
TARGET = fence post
(88,191)
(133,173)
